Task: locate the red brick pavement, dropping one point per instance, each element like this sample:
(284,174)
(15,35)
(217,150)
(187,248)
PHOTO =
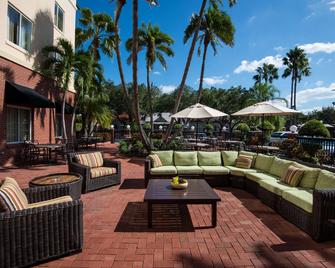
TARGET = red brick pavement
(249,234)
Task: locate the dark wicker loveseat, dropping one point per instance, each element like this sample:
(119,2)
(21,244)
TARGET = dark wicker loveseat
(317,218)
(89,183)
(34,235)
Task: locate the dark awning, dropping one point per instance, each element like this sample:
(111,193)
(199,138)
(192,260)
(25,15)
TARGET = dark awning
(24,96)
(68,108)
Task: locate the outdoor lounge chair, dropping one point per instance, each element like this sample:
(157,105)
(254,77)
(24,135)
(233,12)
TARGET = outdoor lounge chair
(50,225)
(97,172)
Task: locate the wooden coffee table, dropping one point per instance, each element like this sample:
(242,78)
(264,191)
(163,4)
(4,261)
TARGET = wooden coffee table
(73,181)
(159,191)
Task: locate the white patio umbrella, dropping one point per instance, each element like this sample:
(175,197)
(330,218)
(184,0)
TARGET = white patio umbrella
(263,109)
(197,112)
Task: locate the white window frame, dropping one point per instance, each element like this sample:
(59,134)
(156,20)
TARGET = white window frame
(20,28)
(19,126)
(58,7)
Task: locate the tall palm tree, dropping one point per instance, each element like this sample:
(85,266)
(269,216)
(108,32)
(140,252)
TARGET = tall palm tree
(263,92)
(98,29)
(267,72)
(60,63)
(215,4)
(215,29)
(156,44)
(297,66)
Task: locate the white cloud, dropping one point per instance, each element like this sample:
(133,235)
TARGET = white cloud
(167,88)
(319,83)
(315,94)
(251,66)
(156,73)
(311,15)
(331,6)
(319,61)
(251,19)
(318,47)
(214,80)
(279,49)
(308,110)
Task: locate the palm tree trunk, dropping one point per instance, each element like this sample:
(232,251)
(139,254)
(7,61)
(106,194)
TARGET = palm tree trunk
(187,67)
(73,121)
(202,73)
(150,99)
(63,117)
(295,93)
(292,82)
(135,101)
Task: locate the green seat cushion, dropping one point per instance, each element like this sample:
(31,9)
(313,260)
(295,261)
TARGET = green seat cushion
(164,170)
(209,159)
(215,170)
(326,180)
(279,167)
(302,198)
(310,176)
(166,157)
(264,162)
(186,158)
(241,172)
(229,157)
(276,187)
(250,154)
(189,170)
(259,176)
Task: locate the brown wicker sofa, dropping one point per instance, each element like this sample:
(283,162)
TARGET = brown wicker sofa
(310,205)
(90,182)
(37,234)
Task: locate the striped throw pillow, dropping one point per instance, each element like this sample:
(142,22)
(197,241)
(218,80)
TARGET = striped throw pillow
(292,176)
(244,161)
(155,160)
(12,198)
(102,171)
(91,160)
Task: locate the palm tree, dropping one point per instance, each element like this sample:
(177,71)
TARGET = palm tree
(215,4)
(60,63)
(99,30)
(157,44)
(297,66)
(268,73)
(216,28)
(263,92)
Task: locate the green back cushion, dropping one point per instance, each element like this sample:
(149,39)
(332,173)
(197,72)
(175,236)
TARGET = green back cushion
(209,159)
(264,162)
(166,157)
(279,167)
(326,180)
(249,154)
(310,176)
(185,158)
(229,157)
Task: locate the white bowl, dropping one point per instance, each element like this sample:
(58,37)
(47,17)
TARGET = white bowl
(179,186)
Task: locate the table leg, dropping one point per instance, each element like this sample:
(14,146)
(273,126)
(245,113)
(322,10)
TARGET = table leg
(149,215)
(214,211)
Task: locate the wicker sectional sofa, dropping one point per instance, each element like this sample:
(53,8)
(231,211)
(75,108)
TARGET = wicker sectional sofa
(310,205)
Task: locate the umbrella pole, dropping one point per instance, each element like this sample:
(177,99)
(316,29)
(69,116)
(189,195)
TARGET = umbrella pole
(263,136)
(196,134)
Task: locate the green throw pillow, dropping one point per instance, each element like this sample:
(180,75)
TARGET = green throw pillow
(279,167)
(310,176)
(264,162)
(185,158)
(229,157)
(166,157)
(209,159)
(326,180)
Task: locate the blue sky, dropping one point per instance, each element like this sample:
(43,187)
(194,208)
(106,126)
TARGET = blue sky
(265,31)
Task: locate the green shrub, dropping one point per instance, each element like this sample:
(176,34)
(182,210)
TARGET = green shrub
(177,126)
(147,126)
(243,127)
(311,148)
(314,128)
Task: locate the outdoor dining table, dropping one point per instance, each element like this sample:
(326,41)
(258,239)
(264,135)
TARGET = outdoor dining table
(233,143)
(197,146)
(265,149)
(49,147)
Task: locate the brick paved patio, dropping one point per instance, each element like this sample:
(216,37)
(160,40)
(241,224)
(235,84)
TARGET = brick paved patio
(249,234)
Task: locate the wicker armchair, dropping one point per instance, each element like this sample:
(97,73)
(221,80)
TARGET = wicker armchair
(89,183)
(38,234)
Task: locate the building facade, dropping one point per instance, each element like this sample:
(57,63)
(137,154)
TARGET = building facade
(28,100)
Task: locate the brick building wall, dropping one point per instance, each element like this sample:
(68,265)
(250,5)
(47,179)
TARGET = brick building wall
(43,122)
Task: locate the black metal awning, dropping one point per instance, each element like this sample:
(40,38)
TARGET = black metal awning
(68,108)
(24,96)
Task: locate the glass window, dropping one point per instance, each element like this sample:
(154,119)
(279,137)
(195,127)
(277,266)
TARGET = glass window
(18,124)
(59,17)
(19,29)
(58,128)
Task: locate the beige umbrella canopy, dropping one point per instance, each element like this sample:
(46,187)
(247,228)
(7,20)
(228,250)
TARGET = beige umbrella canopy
(199,111)
(265,109)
